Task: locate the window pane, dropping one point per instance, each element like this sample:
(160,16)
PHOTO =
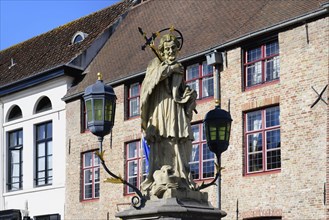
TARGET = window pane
(91,175)
(254,74)
(133,181)
(254,54)
(15,168)
(272,48)
(89,110)
(273,159)
(41,131)
(41,182)
(132,168)
(108,110)
(208,169)
(12,139)
(272,68)
(144,167)
(255,162)
(207,154)
(88,176)
(132,150)
(195,153)
(20,137)
(41,174)
(196,132)
(192,72)
(49,130)
(49,162)
(41,150)
(97,170)
(50,175)
(97,161)
(255,142)
(15,186)
(15,156)
(134,90)
(88,192)
(272,116)
(136,167)
(88,159)
(41,163)
(273,139)
(134,107)
(49,148)
(96,190)
(98,109)
(194,168)
(206,70)
(207,87)
(254,121)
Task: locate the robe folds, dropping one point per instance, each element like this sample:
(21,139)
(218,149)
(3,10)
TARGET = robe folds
(166,112)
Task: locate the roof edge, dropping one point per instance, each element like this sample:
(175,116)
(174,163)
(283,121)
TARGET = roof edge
(297,20)
(39,78)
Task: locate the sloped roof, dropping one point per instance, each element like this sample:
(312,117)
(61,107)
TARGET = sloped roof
(204,24)
(54,48)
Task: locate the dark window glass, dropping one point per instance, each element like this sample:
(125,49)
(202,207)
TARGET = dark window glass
(263,142)
(15,113)
(44,154)
(15,160)
(199,77)
(133,100)
(262,64)
(43,105)
(202,159)
(136,167)
(91,175)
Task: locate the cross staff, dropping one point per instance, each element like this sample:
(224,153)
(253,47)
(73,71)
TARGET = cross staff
(150,42)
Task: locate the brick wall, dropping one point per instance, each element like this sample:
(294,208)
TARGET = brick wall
(296,192)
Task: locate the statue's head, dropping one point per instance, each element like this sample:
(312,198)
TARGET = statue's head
(169,46)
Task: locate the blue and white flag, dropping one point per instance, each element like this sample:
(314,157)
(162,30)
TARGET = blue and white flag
(146,149)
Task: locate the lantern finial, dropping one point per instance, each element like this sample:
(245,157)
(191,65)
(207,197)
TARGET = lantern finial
(99,76)
(217,102)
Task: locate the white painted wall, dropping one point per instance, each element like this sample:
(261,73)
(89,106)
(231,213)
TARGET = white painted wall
(45,199)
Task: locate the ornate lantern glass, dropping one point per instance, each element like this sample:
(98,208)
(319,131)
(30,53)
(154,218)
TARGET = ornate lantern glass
(217,125)
(100,101)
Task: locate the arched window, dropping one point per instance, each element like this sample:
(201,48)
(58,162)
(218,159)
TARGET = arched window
(78,37)
(44,104)
(15,113)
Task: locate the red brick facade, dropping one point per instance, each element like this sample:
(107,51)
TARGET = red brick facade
(295,192)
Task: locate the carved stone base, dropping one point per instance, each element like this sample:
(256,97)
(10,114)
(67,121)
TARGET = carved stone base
(173,209)
(185,194)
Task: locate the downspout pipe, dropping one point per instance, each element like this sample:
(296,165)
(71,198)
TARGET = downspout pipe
(215,59)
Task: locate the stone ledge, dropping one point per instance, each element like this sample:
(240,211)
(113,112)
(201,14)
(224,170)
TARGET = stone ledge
(173,209)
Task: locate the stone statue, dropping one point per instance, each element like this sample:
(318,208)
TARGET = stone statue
(167,105)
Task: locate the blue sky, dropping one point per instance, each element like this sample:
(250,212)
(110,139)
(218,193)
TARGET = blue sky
(21,20)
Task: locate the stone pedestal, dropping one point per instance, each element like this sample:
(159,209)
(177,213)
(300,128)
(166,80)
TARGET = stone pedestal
(174,209)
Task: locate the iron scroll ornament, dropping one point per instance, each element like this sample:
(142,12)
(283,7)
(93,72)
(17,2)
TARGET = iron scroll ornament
(319,96)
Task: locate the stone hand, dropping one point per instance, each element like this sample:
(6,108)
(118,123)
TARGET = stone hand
(177,68)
